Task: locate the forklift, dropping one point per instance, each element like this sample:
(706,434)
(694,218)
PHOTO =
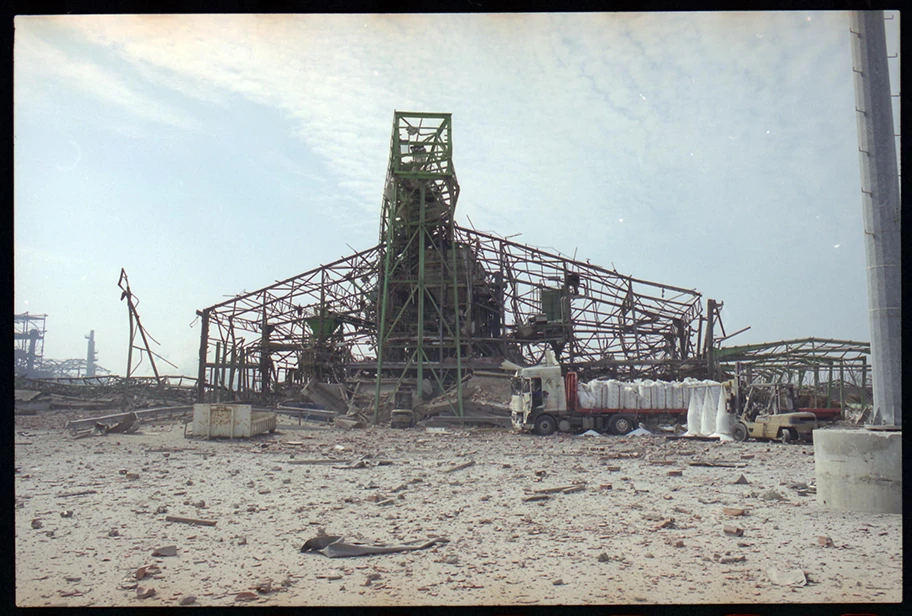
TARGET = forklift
(768,413)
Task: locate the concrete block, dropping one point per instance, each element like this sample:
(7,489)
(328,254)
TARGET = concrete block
(859,470)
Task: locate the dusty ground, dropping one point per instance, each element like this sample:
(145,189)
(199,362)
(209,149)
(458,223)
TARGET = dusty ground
(595,546)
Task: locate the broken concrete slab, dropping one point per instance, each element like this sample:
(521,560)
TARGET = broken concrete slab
(348,423)
(168,550)
(793,577)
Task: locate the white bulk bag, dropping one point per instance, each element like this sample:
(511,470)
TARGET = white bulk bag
(629,397)
(695,412)
(708,425)
(614,394)
(645,391)
(723,419)
(586,400)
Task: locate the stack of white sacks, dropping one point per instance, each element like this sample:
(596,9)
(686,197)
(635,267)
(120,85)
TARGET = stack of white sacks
(705,404)
(707,414)
(645,394)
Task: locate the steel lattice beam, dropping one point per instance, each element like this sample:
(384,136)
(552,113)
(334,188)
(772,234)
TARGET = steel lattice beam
(433,298)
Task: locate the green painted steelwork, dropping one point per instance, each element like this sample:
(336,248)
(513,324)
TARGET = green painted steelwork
(419,316)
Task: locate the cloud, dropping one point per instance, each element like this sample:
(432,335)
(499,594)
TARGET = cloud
(36,59)
(563,123)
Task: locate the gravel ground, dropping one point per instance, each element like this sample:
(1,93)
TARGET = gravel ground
(652,537)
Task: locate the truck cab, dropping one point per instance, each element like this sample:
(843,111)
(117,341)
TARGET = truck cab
(538,396)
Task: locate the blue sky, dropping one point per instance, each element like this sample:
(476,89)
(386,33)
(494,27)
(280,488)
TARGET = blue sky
(208,155)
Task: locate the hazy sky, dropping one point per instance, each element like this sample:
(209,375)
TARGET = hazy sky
(209,155)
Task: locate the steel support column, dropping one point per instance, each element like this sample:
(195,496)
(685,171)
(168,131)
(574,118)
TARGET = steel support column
(881,212)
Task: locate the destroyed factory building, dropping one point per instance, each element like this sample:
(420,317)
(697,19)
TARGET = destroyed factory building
(433,302)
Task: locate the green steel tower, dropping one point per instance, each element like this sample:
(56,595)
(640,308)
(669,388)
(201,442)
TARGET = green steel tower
(423,300)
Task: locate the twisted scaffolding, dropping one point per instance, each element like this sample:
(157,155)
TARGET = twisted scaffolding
(136,327)
(434,301)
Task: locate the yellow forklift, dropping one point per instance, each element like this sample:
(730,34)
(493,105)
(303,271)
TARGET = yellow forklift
(768,413)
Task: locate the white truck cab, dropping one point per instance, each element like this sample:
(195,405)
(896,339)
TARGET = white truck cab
(537,391)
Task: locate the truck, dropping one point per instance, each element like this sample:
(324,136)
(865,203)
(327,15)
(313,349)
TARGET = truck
(543,401)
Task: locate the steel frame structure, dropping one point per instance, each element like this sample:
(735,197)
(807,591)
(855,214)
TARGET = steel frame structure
(434,299)
(591,317)
(172,387)
(318,324)
(423,303)
(800,362)
(28,338)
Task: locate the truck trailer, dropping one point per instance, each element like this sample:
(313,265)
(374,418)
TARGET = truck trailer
(544,401)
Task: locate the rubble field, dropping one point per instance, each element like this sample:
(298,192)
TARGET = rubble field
(156,519)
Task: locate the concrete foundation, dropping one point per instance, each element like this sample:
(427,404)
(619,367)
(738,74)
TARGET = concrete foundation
(859,470)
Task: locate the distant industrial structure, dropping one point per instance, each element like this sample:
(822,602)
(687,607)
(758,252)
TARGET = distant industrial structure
(29,332)
(432,302)
(28,338)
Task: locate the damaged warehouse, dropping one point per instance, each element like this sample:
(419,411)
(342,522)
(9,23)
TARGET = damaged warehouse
(421,405)
(434,301)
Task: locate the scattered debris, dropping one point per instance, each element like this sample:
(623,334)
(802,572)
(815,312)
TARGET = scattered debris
(82,493)
(603,557)
(733,511)
(334,546)
(741,480)
(558,582)
(575,487)
(36,523)
(536,497)
(188,600)
(675,473)
(246,595)
(68,513)
(460,467)
(825,541)
(716,464)
(348,424)
(727,560)
(168,550)
(127,425)
(794,577)
(146,571)
(733,531)
(772,495)
(144,593)
(174,518)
